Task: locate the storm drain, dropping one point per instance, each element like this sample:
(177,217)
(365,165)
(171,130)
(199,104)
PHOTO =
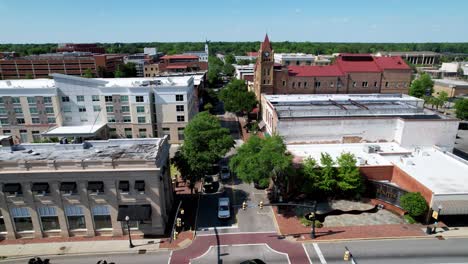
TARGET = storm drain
(440,237)
(142,251)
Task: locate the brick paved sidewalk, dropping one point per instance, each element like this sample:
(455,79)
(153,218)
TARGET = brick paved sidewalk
(202,244)
(291,226)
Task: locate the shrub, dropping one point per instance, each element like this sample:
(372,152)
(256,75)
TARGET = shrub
(305,222)
(318,224)
(409,219)
(414,203)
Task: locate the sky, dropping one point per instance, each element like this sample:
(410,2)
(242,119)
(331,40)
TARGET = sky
(60,21)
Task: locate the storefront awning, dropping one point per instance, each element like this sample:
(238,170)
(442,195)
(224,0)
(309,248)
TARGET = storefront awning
(74,131)
(12,187)
(40,187)
(451,207)
(134,212)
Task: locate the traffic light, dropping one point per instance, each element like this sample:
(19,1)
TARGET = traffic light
(179,222)
(244,205)
(346,255)
(260,205)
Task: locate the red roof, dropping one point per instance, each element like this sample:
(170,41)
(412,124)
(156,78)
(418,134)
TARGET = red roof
(357,63)
(252,53)
(391,63)
(179,57)
(311,71)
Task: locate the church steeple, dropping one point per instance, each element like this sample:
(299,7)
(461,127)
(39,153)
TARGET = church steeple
(266,45)
(264,69)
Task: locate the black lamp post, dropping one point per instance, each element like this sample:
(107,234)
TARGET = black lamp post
(127,219)
(312,216)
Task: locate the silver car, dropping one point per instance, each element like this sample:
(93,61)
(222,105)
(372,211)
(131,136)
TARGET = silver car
(224,211)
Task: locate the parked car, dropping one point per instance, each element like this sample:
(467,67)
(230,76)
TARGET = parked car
(224,211)
(225,172)
(208,185)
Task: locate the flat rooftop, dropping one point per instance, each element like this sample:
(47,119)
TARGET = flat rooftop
(343,105)
(438,171)
(27,83)
(134,149)
(451,82)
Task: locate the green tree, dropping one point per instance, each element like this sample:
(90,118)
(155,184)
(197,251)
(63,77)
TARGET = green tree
(349,178)
(205,143)
(312,179)
(229,59)
(442,98)
(328,181)
(414,203)
(88,73)
(461,109)
(28,76)
(260,160)
(228,69)
(422,86)
(119,73)
(237,98)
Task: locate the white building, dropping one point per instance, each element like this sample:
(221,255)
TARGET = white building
(347,118)
(294,59)
(202,55)
(242,70)
(113,107)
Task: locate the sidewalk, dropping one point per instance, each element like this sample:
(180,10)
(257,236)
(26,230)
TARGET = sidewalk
(18,250)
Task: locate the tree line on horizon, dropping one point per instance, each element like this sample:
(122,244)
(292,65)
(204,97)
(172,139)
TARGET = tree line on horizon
(240,48)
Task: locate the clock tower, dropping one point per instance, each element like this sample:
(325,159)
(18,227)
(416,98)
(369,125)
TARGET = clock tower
(263,82)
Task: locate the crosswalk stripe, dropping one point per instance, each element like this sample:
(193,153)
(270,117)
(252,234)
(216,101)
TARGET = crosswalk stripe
(319,254)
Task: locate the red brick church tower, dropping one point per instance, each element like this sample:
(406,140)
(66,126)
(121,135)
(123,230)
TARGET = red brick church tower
(263,76)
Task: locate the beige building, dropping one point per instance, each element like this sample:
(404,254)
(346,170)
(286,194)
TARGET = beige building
(63,190)
(452,87)
(151,70)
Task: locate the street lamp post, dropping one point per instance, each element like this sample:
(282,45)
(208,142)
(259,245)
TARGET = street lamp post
(312,234)
(439,208)
(127,219)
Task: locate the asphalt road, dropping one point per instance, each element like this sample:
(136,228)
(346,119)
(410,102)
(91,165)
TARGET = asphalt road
(149,258)
(412,251)
(237,253)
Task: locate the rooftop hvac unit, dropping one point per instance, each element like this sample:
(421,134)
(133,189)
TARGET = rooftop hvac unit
(372,149)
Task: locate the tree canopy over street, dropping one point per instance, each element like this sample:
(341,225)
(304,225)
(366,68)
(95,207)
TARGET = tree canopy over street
(422,86)
(461,109)
(237,98)
(259,160)
(205,143)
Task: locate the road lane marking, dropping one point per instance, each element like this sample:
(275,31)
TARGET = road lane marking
(319,253)
(307,253)
(170,256)
(273,232)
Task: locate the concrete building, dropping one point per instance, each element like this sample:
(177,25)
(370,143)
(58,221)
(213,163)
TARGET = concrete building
(298,59)
(349,74)
(202,55)
(350,118)
(244,72)
(392,170)
(64,190)
(149,56)
(452,87)
(175,64)
(70,63)
(70,106)
(426,58)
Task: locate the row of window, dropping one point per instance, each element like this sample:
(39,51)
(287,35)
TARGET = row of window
(128,132)
(107,98)
(32,110)
(94,187)
(21,121)
(317,84)
(31,100)
(127,119)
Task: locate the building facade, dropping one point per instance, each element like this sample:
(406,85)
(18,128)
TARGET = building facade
(453,88)
(425,58)
(63,190)
(99,108)
(349,74)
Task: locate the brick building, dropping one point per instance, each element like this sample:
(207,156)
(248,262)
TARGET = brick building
(182,63)
(70,47)
(351,73)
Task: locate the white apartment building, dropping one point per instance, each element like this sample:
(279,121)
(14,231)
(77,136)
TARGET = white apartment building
(69,106)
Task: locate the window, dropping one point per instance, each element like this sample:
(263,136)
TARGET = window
(293,85)
(49,110)
(317,84)
(180,118)
(375,84)
(125,109)
(65,99)
(298,84)
(12,189)
(49,218)
(95,98)
(96,187)
(140,186)
(1,100)
(36,135)
(140,109)
(2,111)
(20,121)
(33,110)
(2,224)
(124,98)
(35,120)
(96,108)
(31,100)
(284,83)
(15,100)
(66,108)
(51,120)
(83,119)
(354,84)
(80,98)
(386,84)
(47,100)
(18,110)
(21,219)
(179,97)
(40,188)
(180,108)
(111,119)
(109,109)
(180,133)
(365,84)
(81,109)
(128,132)
(124,186)
(108,98)
(4,122)
(127,119)
(101,217)
(305,84)
(141,120)
(332,84)
(75,217)
(166,132)
(139,99)
(142,132)
(68,188)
